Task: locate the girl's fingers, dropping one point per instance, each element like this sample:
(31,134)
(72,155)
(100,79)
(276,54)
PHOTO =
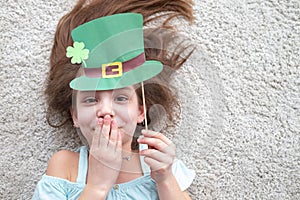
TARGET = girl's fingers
(109,134)
(113,134)
(153,142)
(155,165)
(104,138)
(158,156)
(153,134)
(158,144)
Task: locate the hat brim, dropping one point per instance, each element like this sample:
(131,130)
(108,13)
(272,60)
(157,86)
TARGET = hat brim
(144,72)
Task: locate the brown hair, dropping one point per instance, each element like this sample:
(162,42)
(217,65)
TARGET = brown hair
(59,94)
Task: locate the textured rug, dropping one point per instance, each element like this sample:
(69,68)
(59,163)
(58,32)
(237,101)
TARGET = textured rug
(240,97)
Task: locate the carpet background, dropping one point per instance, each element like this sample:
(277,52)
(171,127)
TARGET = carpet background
(240,93)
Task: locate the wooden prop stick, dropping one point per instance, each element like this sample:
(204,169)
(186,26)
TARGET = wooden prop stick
(144,106)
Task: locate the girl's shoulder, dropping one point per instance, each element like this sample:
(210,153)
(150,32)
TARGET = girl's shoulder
(64,164)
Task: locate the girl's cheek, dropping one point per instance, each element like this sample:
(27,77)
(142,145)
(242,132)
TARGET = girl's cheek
(87,133)
(86,115)
(89,139)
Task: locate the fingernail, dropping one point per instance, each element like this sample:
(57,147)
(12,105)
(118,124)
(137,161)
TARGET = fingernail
(140,136)
(107,119)
(100,121)
(144,131)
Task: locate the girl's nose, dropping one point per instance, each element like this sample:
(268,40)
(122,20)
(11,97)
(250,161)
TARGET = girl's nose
(105,108)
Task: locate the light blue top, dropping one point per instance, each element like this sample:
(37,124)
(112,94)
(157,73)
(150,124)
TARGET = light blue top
(53,188)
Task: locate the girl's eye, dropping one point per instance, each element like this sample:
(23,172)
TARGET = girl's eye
(121,99)
(90,100)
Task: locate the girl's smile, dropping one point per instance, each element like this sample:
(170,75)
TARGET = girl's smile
(121,105)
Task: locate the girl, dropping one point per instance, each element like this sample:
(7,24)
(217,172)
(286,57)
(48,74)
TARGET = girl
(110,72)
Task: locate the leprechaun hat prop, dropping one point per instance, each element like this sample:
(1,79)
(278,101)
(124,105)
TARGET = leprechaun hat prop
(111,52)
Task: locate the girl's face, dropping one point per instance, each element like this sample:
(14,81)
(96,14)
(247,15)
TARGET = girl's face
(121,104)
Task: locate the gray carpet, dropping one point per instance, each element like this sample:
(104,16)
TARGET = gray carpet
(240,96)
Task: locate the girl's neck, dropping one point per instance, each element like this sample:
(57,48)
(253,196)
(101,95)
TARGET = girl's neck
(130,161)
(130,169)
(131,165)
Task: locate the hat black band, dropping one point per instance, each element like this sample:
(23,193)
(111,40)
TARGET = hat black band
(115,68)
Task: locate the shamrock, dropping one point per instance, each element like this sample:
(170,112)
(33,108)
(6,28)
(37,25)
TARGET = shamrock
(77,53)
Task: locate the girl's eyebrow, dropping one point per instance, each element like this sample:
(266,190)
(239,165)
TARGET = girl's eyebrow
(124,89)
(87,92)
(84,94)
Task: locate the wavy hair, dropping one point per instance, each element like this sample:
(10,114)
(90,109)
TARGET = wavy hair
(58,94)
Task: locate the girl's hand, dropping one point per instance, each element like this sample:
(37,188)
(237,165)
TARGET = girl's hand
(159,156)
(105,157)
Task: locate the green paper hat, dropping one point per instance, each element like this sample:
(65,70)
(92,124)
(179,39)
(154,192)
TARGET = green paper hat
(111,52)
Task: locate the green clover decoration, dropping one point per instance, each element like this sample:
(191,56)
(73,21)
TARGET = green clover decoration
(77,53)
